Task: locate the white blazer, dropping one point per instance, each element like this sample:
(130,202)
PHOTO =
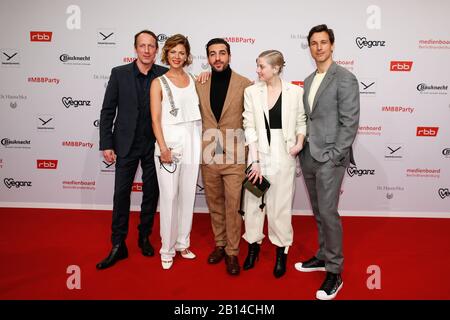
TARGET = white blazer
(293,117)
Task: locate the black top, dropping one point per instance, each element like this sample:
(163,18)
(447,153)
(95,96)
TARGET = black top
(275,115)
(219,88)
(143,128)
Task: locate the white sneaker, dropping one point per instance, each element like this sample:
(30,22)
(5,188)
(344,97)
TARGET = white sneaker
(187,254)
(167,264)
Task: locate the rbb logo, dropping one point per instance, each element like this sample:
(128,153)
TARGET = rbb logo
(298,83)
(47,164)
(137,187)
(405,66)
(427,131)
(41,36)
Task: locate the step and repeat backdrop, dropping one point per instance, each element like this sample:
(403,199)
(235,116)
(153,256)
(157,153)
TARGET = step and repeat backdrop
(56,58)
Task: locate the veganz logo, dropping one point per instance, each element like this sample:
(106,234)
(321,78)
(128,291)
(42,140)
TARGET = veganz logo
(444,193)
(10,182)
(352,171)
(68,102)
(40,36)
(362,42)
(427,131)
(46,164)
(404,66)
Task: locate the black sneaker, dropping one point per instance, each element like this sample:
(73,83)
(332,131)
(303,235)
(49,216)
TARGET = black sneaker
(312,264)
(330,287)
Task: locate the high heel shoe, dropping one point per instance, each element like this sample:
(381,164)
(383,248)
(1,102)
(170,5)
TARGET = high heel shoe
(252,256)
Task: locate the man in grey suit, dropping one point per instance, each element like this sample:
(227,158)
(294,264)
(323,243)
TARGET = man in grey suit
(331,101)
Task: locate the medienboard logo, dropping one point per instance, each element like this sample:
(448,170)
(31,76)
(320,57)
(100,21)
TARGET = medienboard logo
(347,64)
(45,122)
(427,131)
(10,58)
(41,36)
(367,87)
(106,37)
(403,66)
(394,151)
(47,164)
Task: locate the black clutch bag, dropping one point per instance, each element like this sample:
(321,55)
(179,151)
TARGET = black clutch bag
(258,189)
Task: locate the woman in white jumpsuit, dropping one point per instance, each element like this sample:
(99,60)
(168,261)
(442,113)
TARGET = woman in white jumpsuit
(176,123)
(275,127)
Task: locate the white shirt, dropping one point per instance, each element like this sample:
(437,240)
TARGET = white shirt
(314,87)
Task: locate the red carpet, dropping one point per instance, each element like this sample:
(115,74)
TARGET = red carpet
(37,246)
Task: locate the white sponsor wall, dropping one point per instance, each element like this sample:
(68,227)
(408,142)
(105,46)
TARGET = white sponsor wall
(50,103)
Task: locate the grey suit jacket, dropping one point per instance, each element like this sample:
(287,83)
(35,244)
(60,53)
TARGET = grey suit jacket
(333,123)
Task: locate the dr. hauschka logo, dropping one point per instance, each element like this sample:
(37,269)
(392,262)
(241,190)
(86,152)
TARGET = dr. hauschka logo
(393,151)
(347,64)
(13,98)
(446,153)
(137,187)
(10,58)
(390,191)
(354,171)
(45,122)
(398,109)
(106,37)
(298,83)
(427,131)
(43,80)
(362,42)
(444,193)
(107,168)
(11,183)
(368,87)
(41,36)
(47,164)
(370,130)
(70,102)
(239,39)
(423,173)
(424,88)
(303,40)
(403,66)
(162,37)
(77,144)
(14,143)
(75,60)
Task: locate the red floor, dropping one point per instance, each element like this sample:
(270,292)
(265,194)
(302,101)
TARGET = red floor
(38,245)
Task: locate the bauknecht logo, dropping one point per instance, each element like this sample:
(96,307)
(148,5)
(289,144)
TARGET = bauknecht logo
(446,152)
(8,142)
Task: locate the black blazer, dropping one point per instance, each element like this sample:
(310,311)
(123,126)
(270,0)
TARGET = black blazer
(121,102)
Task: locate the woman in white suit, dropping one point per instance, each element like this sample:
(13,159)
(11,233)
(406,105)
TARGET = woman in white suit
(275,127)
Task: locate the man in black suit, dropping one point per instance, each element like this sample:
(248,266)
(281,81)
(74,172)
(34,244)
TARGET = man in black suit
(129,139)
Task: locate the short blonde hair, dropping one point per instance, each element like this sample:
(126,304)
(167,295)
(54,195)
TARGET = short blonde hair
(172,42)
(274,58)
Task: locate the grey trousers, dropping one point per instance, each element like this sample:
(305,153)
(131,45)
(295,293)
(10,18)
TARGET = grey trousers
(323,181)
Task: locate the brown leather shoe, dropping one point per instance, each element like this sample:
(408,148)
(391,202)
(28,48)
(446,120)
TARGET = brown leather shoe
(217,255)
(232,263)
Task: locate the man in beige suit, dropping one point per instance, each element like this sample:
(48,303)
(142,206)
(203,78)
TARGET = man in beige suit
(223,156)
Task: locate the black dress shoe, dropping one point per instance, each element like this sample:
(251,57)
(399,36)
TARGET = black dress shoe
(117,253)
(146,247)
(232,263)
(217,255)
(252,256)
(330,287)
(280,264)
(310,265)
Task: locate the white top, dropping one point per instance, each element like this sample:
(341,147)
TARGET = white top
(314,87)
(185,100)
